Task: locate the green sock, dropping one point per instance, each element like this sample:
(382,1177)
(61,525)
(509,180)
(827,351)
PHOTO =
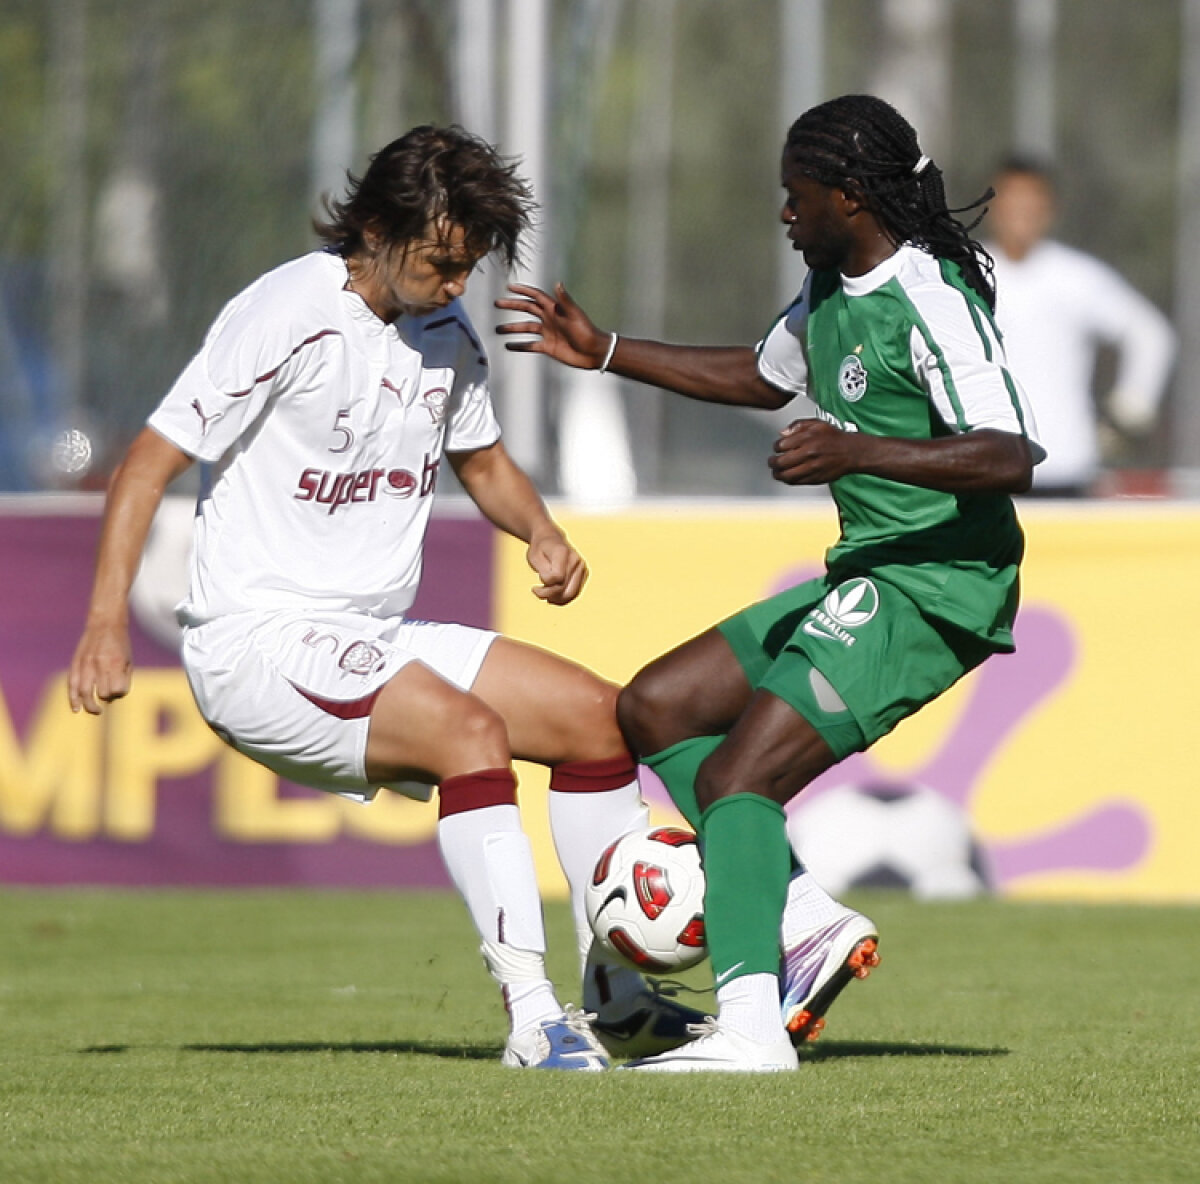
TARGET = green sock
(747,862)
(677,766)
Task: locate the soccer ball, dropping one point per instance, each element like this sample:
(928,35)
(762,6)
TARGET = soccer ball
(645,900)
(883,837)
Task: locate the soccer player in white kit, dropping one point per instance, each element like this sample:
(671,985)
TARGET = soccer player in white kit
(322,404)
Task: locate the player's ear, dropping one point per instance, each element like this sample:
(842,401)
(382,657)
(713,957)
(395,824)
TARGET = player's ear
(853,199)
(372,238)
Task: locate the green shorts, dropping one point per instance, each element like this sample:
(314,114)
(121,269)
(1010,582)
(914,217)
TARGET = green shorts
(884,658)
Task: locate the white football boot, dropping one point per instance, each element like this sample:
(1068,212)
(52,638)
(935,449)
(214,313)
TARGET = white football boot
(818,964)
(563,1043)
(720,1050)
(634,1016)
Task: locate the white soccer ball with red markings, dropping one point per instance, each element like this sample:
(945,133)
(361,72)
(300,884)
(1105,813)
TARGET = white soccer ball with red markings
(645,901)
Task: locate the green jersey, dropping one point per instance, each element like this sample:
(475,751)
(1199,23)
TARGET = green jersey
(910,351)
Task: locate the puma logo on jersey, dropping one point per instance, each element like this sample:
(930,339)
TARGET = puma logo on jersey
(205,420)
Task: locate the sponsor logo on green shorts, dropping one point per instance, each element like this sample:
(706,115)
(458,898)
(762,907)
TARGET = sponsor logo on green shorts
(847,607)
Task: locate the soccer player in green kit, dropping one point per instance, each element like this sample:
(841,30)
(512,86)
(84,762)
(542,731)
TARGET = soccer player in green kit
(921,434)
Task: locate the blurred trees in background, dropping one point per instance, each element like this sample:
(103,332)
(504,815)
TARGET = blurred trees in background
(158,155)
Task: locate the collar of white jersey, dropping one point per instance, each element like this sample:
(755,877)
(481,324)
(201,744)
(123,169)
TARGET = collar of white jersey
(354,304)
(868,282)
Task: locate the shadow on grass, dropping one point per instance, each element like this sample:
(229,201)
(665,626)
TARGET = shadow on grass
(827,1050)
(470,1052)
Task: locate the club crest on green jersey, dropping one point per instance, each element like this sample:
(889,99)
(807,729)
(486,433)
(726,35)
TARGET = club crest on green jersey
(852,378)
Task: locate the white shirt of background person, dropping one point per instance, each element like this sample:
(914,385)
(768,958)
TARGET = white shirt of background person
(1056,307)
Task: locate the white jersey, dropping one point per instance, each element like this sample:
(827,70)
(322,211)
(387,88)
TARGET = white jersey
(323,428)
(1055,307)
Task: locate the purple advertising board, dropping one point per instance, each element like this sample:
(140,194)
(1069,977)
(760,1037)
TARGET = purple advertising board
(145,794)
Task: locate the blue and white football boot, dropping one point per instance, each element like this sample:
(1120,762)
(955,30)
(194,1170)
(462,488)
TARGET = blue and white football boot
(563,1043)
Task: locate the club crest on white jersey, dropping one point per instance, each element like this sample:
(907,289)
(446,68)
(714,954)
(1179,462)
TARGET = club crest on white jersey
(437,402)
(361,658)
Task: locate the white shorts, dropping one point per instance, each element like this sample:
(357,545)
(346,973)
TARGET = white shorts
(295,692)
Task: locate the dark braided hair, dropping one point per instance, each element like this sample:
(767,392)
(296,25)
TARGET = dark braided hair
(864,145)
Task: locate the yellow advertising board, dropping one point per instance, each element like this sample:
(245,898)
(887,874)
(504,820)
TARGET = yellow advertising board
(1073,760)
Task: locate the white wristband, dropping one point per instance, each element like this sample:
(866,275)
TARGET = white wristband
(608,357)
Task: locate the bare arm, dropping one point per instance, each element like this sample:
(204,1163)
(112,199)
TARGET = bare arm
(508,499)
(812,452)
(563,331)
(102,665)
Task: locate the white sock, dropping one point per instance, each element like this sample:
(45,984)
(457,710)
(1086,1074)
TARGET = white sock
(529,998)
(808,906)
(490,860)
(583,824)
(530,1004)
(749,1005)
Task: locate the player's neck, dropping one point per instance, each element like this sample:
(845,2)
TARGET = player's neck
(1016,252)
(867,254)
(363,283)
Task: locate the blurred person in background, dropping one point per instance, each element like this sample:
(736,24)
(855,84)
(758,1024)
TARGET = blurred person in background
(321,405)
(1057,307)
(922,435)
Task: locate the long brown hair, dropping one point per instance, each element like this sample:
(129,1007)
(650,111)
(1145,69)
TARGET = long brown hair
(433,174)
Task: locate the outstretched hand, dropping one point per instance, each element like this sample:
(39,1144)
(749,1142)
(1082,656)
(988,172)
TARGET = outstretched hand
(560,328)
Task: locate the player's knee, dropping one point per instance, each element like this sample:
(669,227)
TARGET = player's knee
(577,720)
(480,734)
(594,711)
(717,778)
(642,709)
(731,769)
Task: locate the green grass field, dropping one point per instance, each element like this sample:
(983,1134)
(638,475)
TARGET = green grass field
(326,1037)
